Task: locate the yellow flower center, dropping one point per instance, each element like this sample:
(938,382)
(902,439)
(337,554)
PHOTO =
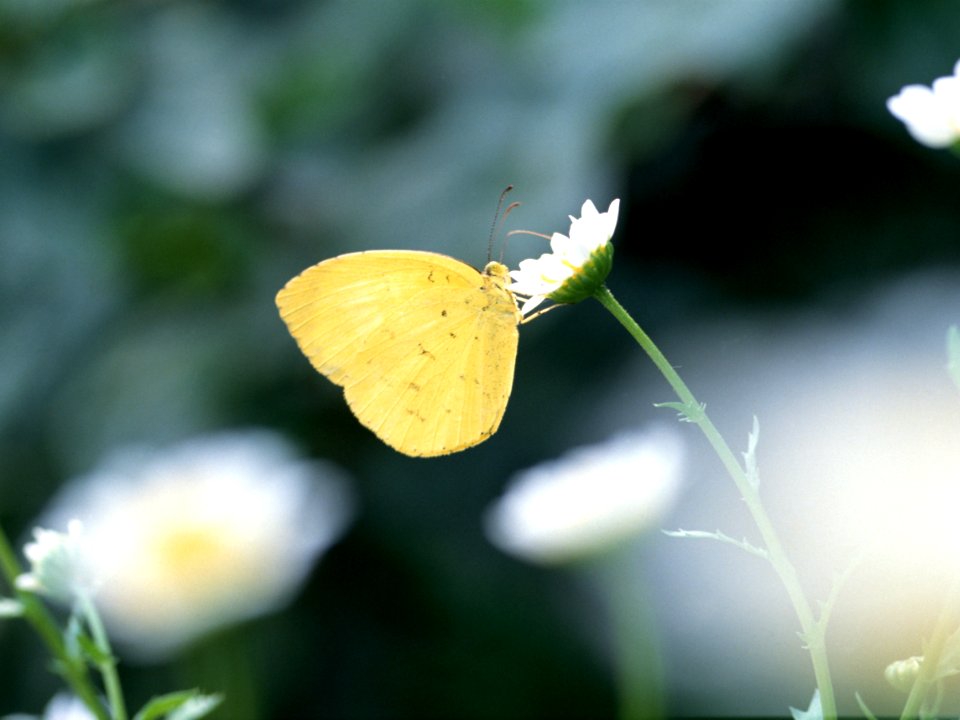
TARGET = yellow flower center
(191,553)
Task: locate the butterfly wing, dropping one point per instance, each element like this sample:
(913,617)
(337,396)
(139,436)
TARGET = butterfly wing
(423,345)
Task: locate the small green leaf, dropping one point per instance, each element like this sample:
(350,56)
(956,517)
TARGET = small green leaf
(159,706)
(719,536)
(687,412)
(813,712)
(181,705)
(79,643)
(196,707)
(92,651)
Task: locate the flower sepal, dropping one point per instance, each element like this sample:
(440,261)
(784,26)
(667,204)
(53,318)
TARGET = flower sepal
(587,280)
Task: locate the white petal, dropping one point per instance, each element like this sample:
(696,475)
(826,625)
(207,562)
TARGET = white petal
(611,217)
(911,101)
(928,112)
(561,244)
(593,230)
(203,534)
(589,499)
(947,92)
(533,277)
(588,209)
(531,303)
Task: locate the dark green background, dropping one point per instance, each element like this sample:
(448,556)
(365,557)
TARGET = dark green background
(166,166)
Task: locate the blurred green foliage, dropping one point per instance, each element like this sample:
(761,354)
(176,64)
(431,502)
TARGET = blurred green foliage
(166,166)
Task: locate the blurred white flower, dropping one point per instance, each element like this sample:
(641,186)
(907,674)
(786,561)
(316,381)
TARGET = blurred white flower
(59,566)
(932,115)
(203,534)
(902,674)
(546,276)
(590,499)
(61,707)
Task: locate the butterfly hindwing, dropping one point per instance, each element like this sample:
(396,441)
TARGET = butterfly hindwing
(423,345)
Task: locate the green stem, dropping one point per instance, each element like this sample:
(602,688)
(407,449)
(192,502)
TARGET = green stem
(812,631)
(73,670)
(635,644)
(108,664)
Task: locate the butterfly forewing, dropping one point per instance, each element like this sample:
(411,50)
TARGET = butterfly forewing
(423,345)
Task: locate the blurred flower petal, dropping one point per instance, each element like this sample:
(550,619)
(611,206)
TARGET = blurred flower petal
(203,534)
(932,115)
(590,499)
(59,566)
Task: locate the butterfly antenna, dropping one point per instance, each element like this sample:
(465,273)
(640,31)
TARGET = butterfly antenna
(496,219)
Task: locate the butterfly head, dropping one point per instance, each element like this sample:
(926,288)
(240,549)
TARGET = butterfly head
(497,270)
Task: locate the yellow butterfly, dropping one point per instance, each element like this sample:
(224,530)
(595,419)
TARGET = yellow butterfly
(423,345)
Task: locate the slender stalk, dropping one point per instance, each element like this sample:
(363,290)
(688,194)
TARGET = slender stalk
(812,631)
(108,665)
(73,670)
(636,646)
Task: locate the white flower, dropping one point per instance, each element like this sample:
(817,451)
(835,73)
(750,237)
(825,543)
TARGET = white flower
(61,707)
(539,279)
(59,565)
(932,115)
(66,707)
(203,534)
(590,499)
(902,674)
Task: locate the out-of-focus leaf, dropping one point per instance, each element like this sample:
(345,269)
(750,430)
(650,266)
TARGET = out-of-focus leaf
(182,705)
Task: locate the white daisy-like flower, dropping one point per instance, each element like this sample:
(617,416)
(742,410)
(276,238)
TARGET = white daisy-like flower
(589,500)
(931,114)
(577,264)
(203,534)
(59,564)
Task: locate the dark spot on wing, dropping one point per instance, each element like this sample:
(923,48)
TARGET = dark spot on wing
(417,415)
